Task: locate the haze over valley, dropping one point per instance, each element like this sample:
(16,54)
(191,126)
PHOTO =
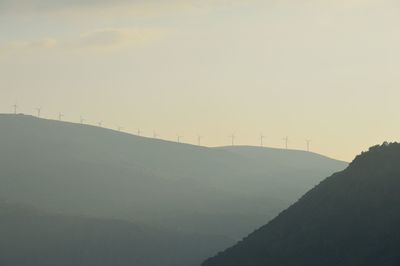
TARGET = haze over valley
(206,193)
(199,133)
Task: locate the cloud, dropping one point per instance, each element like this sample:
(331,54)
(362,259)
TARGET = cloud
(157,7)
(97,40)
(114,37)
(51,5)
(38,45)
(110,8)
(46,43)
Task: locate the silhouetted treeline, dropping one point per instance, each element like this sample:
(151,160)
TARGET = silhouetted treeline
(351,218)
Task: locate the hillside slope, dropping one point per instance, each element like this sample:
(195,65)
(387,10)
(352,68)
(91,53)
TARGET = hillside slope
(84,170)
(33,237)
(351,218)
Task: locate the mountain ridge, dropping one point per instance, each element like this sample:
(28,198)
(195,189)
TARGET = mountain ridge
(77,169)
(350,218)
(164,141)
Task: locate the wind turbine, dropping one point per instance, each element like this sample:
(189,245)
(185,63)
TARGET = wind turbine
(60,116)
(286,142)
(120,128)
(139,132)
(82,120)
(232,137)
(199,138)
(100,124)
(38,111)
(262,137)
(308,142)
(15,108)
(155,135)
(179,138)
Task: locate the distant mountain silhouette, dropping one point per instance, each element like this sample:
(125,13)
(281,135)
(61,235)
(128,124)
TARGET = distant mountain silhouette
(350,219)
(31,237)
(219,193)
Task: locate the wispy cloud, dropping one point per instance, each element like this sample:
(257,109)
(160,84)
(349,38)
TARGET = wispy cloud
(97,40)
(115,37)
(38,45)
(105,8)
(111,8)
(46,43)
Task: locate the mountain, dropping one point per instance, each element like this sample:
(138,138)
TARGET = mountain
(224,192)
(34,237)
(351,218)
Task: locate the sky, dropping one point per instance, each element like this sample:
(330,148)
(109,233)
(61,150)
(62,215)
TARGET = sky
(306,69)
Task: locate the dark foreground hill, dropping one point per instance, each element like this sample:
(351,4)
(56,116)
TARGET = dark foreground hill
(351,219)
(33,237)
(217,193)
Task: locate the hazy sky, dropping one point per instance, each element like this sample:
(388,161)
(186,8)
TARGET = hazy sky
(307,69)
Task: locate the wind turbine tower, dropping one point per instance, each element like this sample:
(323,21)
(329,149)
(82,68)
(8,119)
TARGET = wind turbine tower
(139,132)
(308,142)
(262,137)
(232,137)
(82,120)
(100,124)
(199,140)
(15,106)
(60,116)
(38,111)
(286,142)
(179,137)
